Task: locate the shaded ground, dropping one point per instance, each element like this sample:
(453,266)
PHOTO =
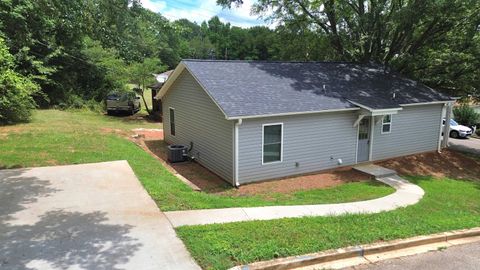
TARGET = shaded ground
(203,178)
(470,145)
(449,163)
(212,183)
(72,217)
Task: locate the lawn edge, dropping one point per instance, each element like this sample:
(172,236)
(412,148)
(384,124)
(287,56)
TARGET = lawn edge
(141,144)
(358,251)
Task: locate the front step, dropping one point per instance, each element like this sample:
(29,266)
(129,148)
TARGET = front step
(375,170)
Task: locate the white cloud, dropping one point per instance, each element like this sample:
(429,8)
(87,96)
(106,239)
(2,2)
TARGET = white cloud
(244,11)
(204,12)
(155,6)
(172,10)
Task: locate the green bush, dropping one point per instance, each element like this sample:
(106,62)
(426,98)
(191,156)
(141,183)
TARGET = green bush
(16,90)
(75,102)
(466,115)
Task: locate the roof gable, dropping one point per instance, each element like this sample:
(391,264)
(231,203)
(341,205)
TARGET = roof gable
(173,77)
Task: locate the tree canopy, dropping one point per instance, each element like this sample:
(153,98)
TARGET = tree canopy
(431,40)
(78,51)
(16,90)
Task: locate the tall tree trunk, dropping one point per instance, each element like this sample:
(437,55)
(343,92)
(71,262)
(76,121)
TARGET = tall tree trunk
(143,97)
(145,102)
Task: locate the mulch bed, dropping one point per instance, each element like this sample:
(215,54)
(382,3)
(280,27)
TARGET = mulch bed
(320,180)
(449,163)
(203,178)
(212,183)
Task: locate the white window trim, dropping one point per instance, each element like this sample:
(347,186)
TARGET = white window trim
(281,143)
(170,109)
(390,123)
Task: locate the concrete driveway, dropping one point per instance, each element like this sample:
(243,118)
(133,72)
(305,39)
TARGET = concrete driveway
(90,216)
(470,145)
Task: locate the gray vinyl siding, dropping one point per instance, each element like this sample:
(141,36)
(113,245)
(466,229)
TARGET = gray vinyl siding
(199,120)
(311,140)
(415,129)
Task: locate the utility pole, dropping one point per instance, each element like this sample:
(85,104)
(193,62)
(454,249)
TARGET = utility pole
(212,54)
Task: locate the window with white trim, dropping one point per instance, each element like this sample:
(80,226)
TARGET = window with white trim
(172,121)
(272,143)
(387,124)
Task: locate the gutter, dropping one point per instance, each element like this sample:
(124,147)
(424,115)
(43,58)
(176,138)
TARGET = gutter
(365,253)
(290,113)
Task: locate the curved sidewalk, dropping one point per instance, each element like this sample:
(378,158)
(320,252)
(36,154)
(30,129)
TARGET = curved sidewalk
(406,194)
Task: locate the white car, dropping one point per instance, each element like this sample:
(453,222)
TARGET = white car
(458,131)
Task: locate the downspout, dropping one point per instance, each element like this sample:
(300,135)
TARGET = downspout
(372,129)
(237,124)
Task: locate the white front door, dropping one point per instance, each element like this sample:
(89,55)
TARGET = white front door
(363,149)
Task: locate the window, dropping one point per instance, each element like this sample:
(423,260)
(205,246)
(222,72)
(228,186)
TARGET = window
(387,124)
(272,142)
(172,121)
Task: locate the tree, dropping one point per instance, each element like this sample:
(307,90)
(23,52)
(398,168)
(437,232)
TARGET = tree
(106,69)
(451,65)
(466,115)
(373,30)
(16,90)
(142,74)
(194,42)
(430,40)
(217,33)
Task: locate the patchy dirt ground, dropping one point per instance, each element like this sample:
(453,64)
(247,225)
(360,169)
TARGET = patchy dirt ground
(149,134)
(446,164)
(115,131)
(304,182)
(212,183)
(203,178)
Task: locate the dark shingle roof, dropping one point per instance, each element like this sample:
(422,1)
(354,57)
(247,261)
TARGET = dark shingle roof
(252,88)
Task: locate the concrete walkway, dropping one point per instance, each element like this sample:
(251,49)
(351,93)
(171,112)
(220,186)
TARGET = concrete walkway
(89,216)
(406,194)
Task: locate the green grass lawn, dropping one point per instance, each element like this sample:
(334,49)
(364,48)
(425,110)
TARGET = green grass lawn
(78,121)
(448,204)
(66,137)
(70,137)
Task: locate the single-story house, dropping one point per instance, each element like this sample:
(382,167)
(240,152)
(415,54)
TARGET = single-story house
(250,121)
(160,79)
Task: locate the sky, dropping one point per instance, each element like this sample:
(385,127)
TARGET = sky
(202,10)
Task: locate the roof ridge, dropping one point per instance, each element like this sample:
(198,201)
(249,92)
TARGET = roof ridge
(273,61)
